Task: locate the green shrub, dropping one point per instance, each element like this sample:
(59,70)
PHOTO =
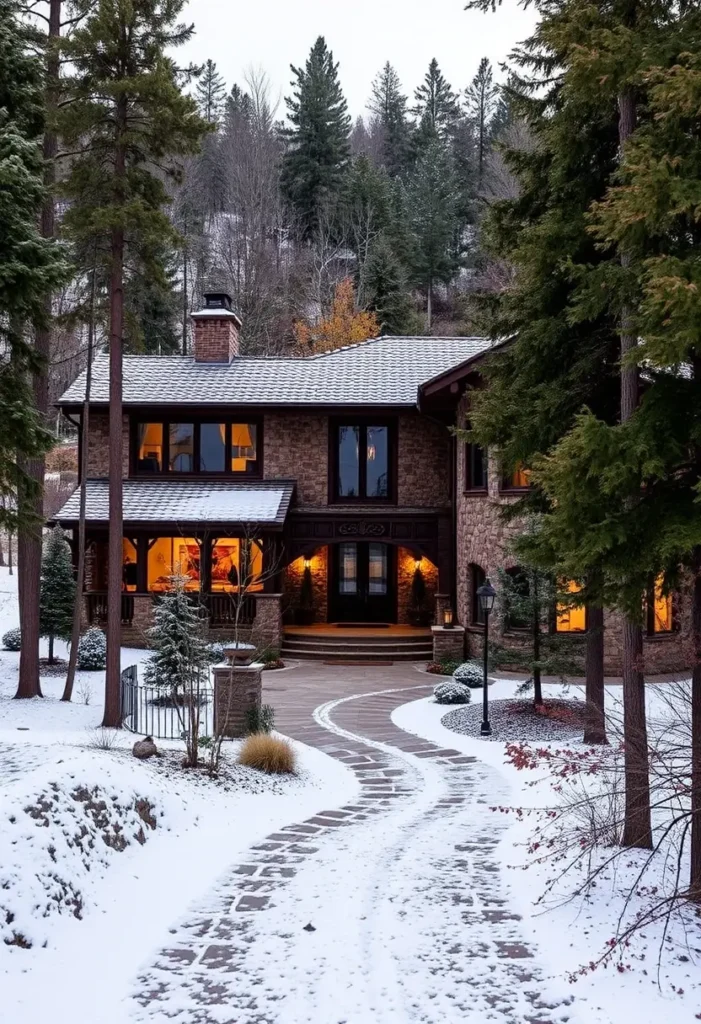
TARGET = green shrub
(92,650)
(451,693)
(260,719)
(471,673)
(12,640)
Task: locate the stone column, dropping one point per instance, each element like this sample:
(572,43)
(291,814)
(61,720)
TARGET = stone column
(237,691)
(267,631)
(448,643)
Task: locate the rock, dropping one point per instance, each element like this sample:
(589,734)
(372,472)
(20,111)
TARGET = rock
(144,749)
(309,927)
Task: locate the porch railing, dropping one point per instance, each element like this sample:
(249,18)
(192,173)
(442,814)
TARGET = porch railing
(97,608)
(223,610)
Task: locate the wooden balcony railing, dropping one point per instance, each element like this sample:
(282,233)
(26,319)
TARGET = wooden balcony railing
(221,609)
(97,608)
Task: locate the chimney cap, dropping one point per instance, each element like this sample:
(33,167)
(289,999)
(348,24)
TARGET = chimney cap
(217,300)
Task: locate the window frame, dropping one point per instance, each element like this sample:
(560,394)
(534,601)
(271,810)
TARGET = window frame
(197,422)
(650,631)
(363,422)
(507,487)
(470,486)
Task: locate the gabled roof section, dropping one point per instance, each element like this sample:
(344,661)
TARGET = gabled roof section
(381,372)
(185,502)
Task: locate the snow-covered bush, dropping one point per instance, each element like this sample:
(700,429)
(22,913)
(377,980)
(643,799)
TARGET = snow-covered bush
(470,673)
(92,650)
(216,652)
(12,640)
(451,693)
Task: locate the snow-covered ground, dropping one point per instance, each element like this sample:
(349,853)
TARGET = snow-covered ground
(659,976)
(79,969)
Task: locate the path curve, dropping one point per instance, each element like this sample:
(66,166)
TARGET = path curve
(409,924)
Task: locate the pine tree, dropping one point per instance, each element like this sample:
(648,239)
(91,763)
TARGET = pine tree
(482,97)
(177,637)
(389,106)
(318,152)
(366,208)
(210,93)
(57,595)
(385,289)
(437,108)
(432,203)
(127,119)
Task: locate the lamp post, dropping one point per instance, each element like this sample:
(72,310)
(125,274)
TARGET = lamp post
(486,595)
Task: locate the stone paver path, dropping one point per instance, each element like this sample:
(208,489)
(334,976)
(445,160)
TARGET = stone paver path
(388,910)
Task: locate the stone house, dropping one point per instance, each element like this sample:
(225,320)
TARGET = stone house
(321,505)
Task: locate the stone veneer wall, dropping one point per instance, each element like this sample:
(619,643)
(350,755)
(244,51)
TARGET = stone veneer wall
(423,462)
(296,447)
(483,539)
(293,581)
(98,445)
(406,566)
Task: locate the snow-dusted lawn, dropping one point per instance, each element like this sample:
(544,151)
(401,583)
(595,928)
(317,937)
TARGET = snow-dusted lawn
(82,970)
(571,934)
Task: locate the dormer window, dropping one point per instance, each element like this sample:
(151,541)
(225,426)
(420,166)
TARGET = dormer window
(178,448)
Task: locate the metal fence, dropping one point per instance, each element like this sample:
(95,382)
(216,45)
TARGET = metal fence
(162,713)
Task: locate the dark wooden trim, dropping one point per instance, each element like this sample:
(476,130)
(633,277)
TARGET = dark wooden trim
(182,416)
(364,421)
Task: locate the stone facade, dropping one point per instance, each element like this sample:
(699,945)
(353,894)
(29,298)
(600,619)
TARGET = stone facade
(296,447)
(484,539)
(448,643)
(319,568)
(267,625)
(423,462)
(98,445)
(237,691)
(406,567)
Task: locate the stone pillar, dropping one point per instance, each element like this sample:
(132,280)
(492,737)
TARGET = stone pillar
(237,690)
(443,601)
(448,643)
(267,626)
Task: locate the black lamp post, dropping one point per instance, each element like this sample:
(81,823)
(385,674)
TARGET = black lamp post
(486,595)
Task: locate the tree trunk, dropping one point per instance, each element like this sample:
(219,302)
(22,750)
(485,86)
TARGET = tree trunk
(185,310)
(537,685)
(429,308)
(51,648)
(29,536)
(85,437)
(637,830)
(695,868)
(595,731)
(10,567)
(112,716)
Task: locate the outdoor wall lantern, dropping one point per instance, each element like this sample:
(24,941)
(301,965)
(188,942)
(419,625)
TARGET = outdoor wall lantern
(307,563)
(486,595)
(448,618)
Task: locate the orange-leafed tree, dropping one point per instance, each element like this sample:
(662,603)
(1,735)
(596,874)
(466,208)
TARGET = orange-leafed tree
(344,325)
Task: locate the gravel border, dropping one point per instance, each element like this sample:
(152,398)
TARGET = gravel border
(509,724)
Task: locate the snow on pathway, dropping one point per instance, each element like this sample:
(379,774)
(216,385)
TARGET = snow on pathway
(389,910)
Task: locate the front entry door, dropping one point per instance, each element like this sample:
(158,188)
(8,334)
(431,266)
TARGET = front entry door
(363,583)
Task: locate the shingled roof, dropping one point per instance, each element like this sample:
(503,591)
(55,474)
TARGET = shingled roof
(185,502)
(382,371)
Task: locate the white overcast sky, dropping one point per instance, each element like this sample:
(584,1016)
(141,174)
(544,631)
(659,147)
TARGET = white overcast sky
(363,34)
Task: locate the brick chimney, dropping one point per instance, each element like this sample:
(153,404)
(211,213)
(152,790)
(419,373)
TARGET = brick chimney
(216,330)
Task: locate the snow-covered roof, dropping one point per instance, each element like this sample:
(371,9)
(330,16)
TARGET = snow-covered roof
(382,371)
(186,501)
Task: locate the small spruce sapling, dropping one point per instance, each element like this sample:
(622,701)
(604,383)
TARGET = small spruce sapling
(57,594)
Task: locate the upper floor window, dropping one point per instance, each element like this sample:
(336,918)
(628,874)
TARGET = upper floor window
(209,447)
(660,609)
(571,618)
(362,461)
(518,480)
(476,467)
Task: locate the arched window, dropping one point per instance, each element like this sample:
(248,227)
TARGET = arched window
(516,599)
(477,578)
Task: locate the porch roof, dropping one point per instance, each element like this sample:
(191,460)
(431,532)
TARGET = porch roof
(192,502)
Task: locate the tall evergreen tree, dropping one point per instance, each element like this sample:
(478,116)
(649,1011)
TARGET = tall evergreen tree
(57,595)
(482,96)
(128,118)
(210,93)
(389,106)
(432,203)
(316,161)
(437,107)
(385,288)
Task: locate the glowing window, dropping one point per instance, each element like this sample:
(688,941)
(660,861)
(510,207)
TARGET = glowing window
(571,618)
(129,570)
(519,479)
(236,565)
(150,451)
(244,448)
(660,609)
(169,556)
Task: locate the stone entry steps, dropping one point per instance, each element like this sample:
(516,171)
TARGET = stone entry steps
(370,646)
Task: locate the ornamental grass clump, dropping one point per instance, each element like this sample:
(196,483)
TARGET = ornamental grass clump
(268,754)
(451,693)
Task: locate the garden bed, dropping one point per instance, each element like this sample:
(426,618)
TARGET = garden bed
(519,720)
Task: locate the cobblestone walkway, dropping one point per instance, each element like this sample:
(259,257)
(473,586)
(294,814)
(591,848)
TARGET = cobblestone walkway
(384,911)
